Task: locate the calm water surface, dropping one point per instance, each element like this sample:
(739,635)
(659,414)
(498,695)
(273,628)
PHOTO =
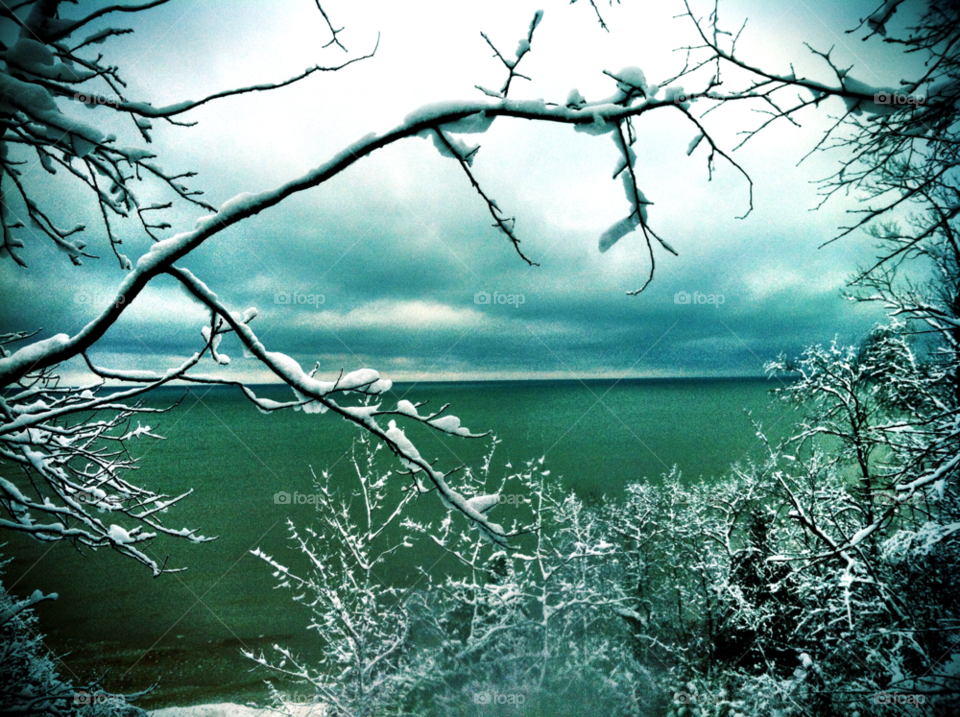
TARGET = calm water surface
(187,629)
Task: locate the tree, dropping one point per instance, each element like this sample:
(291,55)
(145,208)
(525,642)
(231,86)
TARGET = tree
(363,625)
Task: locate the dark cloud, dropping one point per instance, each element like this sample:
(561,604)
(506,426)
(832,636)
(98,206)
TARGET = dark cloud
(392,255)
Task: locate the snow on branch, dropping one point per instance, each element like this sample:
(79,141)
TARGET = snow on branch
(523,47)
(45,67)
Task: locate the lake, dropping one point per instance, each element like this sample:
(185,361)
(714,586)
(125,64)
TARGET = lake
(186,629)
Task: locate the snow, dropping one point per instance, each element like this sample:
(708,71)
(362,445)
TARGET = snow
(471,124)
(101,35)
(309,405)
(36,407)
(29,52)
(450,424)
(575,99)
(227,709)
(599,125)
(239,203)
(145,108)
(135,154)
(163,250)
(878,20)
(632,77)
(861,534)
(492,532)
(37,104)
(119,535)
(12,492)
(28,356)
(671,93)
(628,613)
(437,110)
(245,201)
(134,375)
(630,158)
(291,369)
(399,438)
(694,143)
(361,413)
(407,408)
(484,503)
(616,232)
(460,149)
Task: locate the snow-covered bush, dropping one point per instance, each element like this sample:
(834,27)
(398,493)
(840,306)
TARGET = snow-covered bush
(540,623)
(537,626)
(30,681)
(820,580)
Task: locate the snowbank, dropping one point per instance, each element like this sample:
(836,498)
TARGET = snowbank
(231,710)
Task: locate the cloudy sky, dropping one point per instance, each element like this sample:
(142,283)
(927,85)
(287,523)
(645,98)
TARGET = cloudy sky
(383,265)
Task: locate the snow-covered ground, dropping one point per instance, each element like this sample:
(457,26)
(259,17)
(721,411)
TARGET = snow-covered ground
(231,710)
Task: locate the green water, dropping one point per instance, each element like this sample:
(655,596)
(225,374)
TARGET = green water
(187,629)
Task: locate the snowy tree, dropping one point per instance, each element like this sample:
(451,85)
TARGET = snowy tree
(868,486)
(875,560)
(363,625)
